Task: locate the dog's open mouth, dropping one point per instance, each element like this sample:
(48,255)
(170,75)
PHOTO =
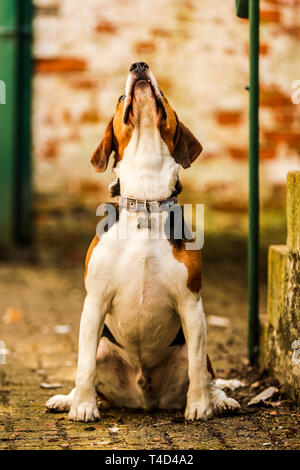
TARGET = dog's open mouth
(142,80)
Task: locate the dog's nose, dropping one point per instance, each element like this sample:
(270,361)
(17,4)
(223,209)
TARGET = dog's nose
(139,67)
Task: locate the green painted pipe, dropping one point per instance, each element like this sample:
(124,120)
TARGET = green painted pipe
(8,117)
(253,244)
(15,140)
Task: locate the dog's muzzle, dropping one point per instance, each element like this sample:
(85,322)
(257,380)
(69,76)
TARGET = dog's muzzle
(140,71)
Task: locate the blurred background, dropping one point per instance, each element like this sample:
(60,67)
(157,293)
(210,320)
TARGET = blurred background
(82,51)
(199,52)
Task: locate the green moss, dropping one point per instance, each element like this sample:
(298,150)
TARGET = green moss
(277,282)
(293,211)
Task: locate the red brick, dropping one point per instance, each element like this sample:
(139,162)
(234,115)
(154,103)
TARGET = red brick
(89,116)
(230,205)
(144,47)
(263,49)
(60,64)
(106,27)
(273,96)
(270,16)
(267,153)
(84,83)
(89,186)
(292,31)
(163,33)
(50,150)
(284,117)
(238,153)
(229,50)
(228,117)
(290,138)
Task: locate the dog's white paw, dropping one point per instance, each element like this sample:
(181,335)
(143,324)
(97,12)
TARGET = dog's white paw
(85,411)
(59,403)
(222,403)
(199,410)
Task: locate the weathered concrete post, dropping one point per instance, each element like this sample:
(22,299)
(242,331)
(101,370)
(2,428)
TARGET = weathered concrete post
(280,335)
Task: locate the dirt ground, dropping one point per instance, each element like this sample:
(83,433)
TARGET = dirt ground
(38,296)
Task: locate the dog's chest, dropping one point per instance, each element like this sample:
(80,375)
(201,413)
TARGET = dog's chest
(141,276)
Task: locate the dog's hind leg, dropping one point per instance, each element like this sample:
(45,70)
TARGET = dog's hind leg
(60,403)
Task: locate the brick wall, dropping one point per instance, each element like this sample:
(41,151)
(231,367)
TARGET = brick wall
(199,52)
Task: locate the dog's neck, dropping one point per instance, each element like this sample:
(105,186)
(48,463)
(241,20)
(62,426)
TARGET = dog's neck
(147,171)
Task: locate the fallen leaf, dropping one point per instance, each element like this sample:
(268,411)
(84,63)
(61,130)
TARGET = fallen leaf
(274,403)
(64,446)
(263,396)
(162,423)
(62,329)
(12,315)
(47,385)
(99,443)
(255,384)
(113,430)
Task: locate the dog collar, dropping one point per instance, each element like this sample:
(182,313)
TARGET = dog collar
(139,205)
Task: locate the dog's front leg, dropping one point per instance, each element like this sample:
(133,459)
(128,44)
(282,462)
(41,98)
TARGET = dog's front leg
(84,406)
(191,312)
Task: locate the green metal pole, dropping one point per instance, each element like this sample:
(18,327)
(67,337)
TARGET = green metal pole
(23,226)
(15,122)
(253,247)
(8,117)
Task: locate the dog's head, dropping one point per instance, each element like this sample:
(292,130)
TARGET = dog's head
(143,98)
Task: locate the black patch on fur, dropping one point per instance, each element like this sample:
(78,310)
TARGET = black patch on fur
(177,190)
(115,189)
(108,334)
(177,237)
(179,338)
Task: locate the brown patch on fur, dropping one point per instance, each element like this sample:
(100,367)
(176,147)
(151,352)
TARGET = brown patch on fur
(182,144)
(168,126)
(89,253)
(186,147)
(116,138)
(102,153)
(193,263)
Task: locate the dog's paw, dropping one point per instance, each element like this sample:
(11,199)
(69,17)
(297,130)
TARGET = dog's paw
(85,411)
(223,404)
(199,410)
(60,403)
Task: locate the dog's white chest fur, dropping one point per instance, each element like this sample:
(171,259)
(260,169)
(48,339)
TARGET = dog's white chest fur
(140,276)
(147,171)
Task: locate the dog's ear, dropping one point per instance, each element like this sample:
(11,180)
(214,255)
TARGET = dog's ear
(102,153)
(186,147)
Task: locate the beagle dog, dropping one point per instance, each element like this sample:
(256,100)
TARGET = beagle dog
(142,341)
